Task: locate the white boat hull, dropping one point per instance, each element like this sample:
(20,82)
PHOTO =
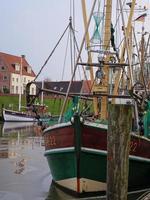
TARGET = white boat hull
(14,116)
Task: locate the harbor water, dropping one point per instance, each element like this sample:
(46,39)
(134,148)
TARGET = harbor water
(24,172)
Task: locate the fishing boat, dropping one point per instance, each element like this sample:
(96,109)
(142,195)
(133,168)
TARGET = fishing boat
(76,150)
(34,112)
(16,116)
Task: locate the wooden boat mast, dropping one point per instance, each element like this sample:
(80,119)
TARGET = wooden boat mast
(77,61)
(95,100)
(127,31)
(107,35)
(106,45)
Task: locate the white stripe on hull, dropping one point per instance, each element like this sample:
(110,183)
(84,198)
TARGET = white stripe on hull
(59,150)
(104,152)
(86,185)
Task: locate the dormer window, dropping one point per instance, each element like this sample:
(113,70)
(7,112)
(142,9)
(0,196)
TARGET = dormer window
(29,69)
(16,66)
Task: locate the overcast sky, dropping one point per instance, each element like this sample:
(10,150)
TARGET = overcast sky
(32,27)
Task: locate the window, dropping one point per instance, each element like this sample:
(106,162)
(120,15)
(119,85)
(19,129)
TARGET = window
(3,68)
(16,66)
(16,89)
(5,78)
(32,91)
(24,79)
(29,69)
(12,89)
(17,80)
(5,89)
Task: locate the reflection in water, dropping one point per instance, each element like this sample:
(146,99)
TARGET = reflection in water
(24,172)
(20,166)
(15,136)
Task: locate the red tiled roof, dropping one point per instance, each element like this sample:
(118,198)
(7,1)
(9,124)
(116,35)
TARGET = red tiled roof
(86,86)
(9,60)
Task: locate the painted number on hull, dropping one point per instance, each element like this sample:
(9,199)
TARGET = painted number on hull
(50,141)
(133,146)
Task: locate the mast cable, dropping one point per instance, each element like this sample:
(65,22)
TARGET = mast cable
(51,53)
(77,60)
(139,60)
(65,58)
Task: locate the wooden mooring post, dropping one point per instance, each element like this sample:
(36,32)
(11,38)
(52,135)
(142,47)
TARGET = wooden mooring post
(118,145)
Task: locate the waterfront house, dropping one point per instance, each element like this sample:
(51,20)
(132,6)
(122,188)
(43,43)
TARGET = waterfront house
(15,73)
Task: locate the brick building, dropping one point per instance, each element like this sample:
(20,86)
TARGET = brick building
(15,73)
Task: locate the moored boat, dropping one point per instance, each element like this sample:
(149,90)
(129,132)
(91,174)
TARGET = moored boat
(77,156)
(77,150)
(16,116)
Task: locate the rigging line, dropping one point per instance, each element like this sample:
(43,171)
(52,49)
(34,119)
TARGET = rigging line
(108,44)
(79,72)
(126,43)
(118,21)
(145,56)
(146,49)
(51,53)
(70,7)
(81,60)
(74,26)
(65,57)
(74,14)
(71,49)
(72,33)
(136,45)
(81,47)
(77,47)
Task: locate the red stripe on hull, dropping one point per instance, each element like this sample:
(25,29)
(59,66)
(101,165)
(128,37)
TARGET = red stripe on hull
(96,138)
(59,138)
(92,137)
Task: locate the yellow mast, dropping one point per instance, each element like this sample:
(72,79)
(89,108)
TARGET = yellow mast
(127,34)
(142,49)
(95,101)
(106,47)
(103,86)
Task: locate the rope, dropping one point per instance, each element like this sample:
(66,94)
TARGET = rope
(71,49)
(51,53)
(64,64)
